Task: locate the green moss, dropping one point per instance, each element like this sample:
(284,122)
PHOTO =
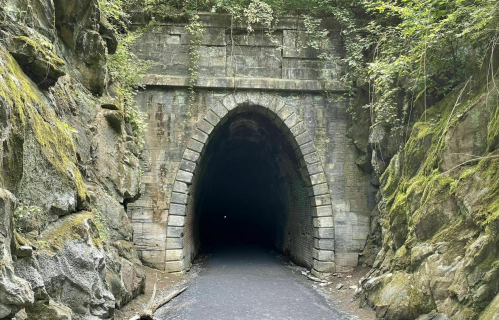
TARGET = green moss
(72,227)
(492,311)
(41,48)
(55,142)
(19,240)
(485,177)
(402,258)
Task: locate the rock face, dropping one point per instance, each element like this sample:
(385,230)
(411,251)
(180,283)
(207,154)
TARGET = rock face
(15,293)
(89,36)
(65,250)
(437,208)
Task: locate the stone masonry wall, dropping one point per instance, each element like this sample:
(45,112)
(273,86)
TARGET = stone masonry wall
(230,62)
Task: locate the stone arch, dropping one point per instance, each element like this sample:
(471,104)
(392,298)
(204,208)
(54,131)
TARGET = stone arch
(311,170)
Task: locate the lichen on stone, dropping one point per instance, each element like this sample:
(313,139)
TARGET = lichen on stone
(30,111)
(453,209)
(73,227)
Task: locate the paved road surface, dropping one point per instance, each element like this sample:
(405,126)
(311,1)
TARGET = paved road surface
(248,282)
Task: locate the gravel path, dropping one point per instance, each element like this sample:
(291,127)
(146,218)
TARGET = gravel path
(249,282)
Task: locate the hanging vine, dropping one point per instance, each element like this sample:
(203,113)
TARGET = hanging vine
(195,29)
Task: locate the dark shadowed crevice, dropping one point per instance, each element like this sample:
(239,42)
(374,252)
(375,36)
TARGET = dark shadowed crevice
(248,190)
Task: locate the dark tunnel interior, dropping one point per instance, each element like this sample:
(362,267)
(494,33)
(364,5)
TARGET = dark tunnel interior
(248,187)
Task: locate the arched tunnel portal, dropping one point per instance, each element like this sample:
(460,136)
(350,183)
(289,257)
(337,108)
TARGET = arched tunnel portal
(247,180)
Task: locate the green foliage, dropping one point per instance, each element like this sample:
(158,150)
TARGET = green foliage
(126,71)
(24,216)
(195,29)
(407,54)
(423,50)
(125,68)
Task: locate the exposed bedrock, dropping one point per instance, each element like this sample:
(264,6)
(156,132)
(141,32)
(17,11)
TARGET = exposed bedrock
(67,168)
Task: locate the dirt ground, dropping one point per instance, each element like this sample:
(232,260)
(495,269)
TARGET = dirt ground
(342,298)
(166,283)
(338,298)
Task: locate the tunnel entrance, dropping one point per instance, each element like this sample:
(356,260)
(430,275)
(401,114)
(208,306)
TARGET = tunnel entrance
(248,190)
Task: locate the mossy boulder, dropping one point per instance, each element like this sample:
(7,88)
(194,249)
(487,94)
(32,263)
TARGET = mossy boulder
(400,296)
(38,60)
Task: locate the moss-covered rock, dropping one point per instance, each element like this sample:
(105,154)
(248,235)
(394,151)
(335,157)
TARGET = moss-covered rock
(439,210)
(68,246)
(38,60)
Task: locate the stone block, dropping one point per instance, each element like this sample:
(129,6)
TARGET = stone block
(191,155)
(297,130)
(212,61)
(314,168)
(302,69)
(256,62)
(360,232)
(303,138)
(151,236)
(341,206)
(323,255)
(277,105)
(176,221)
(258,40)
(323,211)
(346,261)
(324,233)
(173,266)
(320,200)
(219,109)
(212,118)
(323,222)
(174,243)
(180,198)
(177,209)
(200,136)
(205,127)
(195,145)
(229,102)
(155,259)
(141,215)
(174,232)
(324,244)
(184,176)
(174,255)
(176,30)
(181,187)
(307,148)
(319,189)
(290,23)
(318,178)
(284,113)
(294,45)
(317,274)
(210,37)
(311,158)
(324,266)
(215,20)
(266,100)
(291,121)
